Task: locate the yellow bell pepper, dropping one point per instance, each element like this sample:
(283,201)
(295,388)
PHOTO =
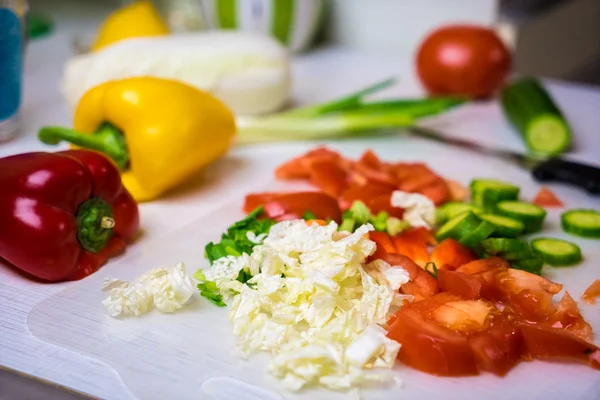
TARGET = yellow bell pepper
(158,131)
(135,20)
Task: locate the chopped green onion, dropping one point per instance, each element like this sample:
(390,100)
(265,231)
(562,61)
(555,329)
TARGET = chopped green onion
(360,212)
(394,226)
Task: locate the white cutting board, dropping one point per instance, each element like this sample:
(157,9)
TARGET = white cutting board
(190,354)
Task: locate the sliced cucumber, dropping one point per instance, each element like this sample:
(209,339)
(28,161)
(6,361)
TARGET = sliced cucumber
(520,255)
(453,208)
(505,227)
(533,113)
(557,252)
(459,226)
(487,192)
(533,265)
(581,222)
(479,234)
(529,214)
(496,246)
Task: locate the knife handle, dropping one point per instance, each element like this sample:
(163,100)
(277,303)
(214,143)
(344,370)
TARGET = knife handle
(557,170)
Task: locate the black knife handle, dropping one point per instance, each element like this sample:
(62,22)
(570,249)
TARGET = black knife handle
(585,176)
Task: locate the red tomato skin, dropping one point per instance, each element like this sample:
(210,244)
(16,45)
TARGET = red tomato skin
(382,203)
(542,342)
(431,348)
(254,200)
(466,286)
(498,349)
(592,292)
(320,204)
(464,60)
(546,198)
(363,193)
(450,252)
(328,176)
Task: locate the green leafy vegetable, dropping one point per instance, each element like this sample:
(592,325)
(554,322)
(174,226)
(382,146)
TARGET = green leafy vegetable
(308,216)
(235,241)
(360,212)
(379,221)
(394,226)
(209,290)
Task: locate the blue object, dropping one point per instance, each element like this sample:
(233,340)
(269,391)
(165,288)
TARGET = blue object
(11,63)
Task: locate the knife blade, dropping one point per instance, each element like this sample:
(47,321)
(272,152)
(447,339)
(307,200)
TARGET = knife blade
(543,169)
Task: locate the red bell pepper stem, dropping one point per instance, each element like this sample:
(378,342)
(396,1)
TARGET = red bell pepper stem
(107,139)
(94,224)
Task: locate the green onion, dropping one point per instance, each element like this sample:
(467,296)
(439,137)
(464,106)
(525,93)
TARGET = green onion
(347,102)
(347,116)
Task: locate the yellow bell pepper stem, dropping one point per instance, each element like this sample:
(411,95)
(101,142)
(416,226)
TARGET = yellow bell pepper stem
(160,132)
(106,139)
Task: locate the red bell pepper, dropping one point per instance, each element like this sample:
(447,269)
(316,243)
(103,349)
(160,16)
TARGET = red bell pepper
(63,214)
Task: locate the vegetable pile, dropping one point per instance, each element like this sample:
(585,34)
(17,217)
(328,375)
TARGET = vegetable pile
(319,295)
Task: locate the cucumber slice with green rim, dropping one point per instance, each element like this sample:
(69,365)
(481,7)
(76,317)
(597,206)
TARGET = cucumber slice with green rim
(520,255)
(496,246)
(532,111)
(505,227)
(459,226)
(453,208)
(487,192)
(479,234)
(529,214)
(557,252)
(533,265)
(581,222)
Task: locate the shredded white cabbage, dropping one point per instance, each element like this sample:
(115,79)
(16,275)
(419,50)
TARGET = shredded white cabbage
(167,290)
(419,210)
(314,304)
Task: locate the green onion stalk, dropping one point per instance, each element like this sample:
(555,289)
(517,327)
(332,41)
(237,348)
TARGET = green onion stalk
(348,116)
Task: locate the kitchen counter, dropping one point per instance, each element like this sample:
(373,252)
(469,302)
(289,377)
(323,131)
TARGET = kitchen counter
(318,76)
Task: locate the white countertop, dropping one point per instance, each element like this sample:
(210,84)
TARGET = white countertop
(318,76)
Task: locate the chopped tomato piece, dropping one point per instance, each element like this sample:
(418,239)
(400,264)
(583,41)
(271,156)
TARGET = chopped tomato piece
(528,294)
(464,285)
(363,193)
(370,159)
(450,252)
(592,292)
(254,200)
(437,191)
(544,342)
(430,347)
(382,203)
(384,244)
(370,167)
(299,167)
(546,198)
(569,317)
(415,176)
(485,264)
(463,315)
(498,348)
(328,176)
(297,204)
(412,246)
(422,284)
(457,191)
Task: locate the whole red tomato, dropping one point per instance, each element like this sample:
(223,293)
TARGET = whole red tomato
(463,60)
